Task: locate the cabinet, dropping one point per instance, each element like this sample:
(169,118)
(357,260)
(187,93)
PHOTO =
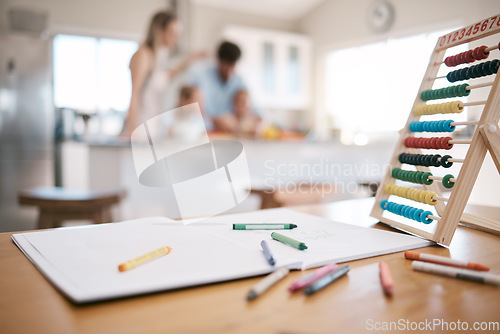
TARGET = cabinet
(275,66)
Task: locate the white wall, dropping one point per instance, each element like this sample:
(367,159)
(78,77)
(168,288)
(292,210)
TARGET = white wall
(208,22)
(337,22)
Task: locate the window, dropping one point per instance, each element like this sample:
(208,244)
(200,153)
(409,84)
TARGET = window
(371,88)
(91,75)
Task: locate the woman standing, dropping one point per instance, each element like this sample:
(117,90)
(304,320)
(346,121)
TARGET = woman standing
(150,73)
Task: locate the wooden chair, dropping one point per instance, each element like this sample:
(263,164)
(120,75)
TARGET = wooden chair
(57,204)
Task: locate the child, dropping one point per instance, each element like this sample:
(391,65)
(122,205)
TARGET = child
(247,121)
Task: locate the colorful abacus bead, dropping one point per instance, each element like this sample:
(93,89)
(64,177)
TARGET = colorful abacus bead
(446,181)
(467,56)
(435,143)
(445,161)
(407,211)
(444,93)
(476,71)
(422,196)
(420,159)
(432,126)
(412,176)
(454,107)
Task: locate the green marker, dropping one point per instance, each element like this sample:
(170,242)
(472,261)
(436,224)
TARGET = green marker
(289,241)
(264,226)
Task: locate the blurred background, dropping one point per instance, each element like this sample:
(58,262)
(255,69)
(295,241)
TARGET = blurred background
(334,80)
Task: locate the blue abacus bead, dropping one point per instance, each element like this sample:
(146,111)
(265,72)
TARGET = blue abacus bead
(411,212)
(424,219)
(406,211)
(437,126)
(383,204)
(417,214)
(428,126)
(414,126)
(448,127)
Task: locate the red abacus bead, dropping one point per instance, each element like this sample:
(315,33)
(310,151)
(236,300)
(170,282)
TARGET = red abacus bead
(462,58)
(428,143)
(483,54)
(452,61)
(407,142)
(469,57)
(448,62)
(455,60)
(445,143)
(434,142)
(476,54)
(423,142)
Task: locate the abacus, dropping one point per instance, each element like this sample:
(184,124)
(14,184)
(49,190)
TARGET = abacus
(411,164)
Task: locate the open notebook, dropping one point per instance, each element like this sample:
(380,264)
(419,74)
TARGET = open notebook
(82,262)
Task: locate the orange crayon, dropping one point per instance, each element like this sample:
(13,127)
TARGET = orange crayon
(445,261)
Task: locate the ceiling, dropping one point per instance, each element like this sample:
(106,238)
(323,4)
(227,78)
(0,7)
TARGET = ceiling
(279,9)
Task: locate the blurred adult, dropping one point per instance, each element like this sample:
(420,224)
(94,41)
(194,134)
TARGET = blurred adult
(151,72)
(219,83)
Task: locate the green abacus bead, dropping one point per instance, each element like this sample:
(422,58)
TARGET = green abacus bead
(451,91)
(394,173)
(466,92)
(446,181)
(416,177)
(425,178)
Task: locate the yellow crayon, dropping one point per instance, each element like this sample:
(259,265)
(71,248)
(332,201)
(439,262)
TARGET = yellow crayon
(144,258)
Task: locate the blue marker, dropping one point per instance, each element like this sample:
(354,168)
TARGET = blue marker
(267,253)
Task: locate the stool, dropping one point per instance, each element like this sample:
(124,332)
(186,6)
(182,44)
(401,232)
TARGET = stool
(57,204)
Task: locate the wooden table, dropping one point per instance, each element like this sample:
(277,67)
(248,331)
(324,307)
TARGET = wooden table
(354,304)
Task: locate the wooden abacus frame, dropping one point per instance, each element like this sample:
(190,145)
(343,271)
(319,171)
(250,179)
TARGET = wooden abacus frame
(486,137)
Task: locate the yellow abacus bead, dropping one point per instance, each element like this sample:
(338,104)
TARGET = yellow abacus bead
(419,110)
(429,198)
(456,107)
(436,108)
(423,195)
(388,189)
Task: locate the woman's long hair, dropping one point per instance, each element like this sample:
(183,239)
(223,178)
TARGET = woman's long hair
(158,23)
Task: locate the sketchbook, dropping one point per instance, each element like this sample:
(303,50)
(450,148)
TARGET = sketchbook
(82,262)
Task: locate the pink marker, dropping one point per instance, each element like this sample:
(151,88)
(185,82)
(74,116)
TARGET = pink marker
(306,280)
